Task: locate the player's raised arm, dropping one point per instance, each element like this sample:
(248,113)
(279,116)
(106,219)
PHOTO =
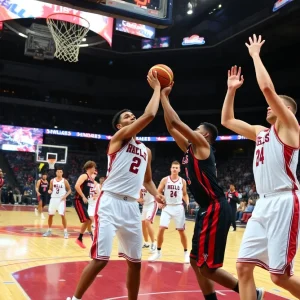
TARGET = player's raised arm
(50,187)
(174,120)
(150,112)
(284,113)
(180,140)
(185,195)
(235,80)
(148,182)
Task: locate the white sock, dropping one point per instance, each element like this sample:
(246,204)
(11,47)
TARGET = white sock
(147,243)
(49,229)
(74,298)
(65,230)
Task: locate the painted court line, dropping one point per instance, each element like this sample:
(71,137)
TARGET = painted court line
(171,292)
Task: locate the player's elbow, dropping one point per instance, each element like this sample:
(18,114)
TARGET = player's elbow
(175,123)
(149,115)
(266,88)
(225,121)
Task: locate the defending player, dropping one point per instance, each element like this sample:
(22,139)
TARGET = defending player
(270,238)
(59,189)
(214,216)
(129,167)
(150,207)
(174,188)
(84,186)
(41,189)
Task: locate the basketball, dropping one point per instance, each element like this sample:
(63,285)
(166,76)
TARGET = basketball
(164,74)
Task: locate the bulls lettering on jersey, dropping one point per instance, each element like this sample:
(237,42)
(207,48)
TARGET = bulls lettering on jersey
(126,170)
(148,198)
(59,188)
(173,191)
(274,164)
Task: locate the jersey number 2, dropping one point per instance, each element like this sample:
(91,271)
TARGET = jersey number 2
(134,167)
(259,156)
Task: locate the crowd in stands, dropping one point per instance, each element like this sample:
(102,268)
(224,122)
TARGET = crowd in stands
(235,170)
(25,170)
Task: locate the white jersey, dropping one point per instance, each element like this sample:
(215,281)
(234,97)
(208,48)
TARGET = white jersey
(59,188)
(173,191)
(148,198)
(274,164)
(126,170)
(95,191)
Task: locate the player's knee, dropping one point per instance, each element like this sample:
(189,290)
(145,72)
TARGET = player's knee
(244,269)
(134,266)
(193,263)
(161,230)
(279,280)
(99,264)
(207,272)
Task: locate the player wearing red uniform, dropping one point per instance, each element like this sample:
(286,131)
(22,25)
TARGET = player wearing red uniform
(271,236)
(84,187)
(41,189)
(214,216)
(129,167)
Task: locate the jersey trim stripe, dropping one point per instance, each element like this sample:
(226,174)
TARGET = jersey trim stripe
(294,231)
(203,180)
(94,248)
(154,212)
(175,180)
(211,236)
(288,154)
(207,242)
(280,141)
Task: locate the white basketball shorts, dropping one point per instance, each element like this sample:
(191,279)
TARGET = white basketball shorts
(271,237)
(149,211)
(56,204)
(91,207)
(175,212)
(117,215)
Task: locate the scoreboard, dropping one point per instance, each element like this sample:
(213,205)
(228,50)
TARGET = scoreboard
(157,13)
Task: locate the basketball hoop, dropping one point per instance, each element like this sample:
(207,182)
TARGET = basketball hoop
(67,31)
(51,162)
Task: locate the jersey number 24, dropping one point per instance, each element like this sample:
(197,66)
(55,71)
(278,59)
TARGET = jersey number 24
(259,156)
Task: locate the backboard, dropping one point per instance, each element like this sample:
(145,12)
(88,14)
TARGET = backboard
(46,152)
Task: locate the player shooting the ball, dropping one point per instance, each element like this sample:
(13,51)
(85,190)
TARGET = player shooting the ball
(129,167)
(214,216)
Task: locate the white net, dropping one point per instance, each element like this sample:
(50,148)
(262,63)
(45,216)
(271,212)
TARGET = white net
(68,32)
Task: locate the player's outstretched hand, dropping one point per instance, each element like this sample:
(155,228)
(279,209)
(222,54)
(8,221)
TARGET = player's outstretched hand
(235,79)
(160,199)
(255,45)
(167,90)
(152,79)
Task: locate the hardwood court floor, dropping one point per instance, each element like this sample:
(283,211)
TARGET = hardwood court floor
(22,246)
